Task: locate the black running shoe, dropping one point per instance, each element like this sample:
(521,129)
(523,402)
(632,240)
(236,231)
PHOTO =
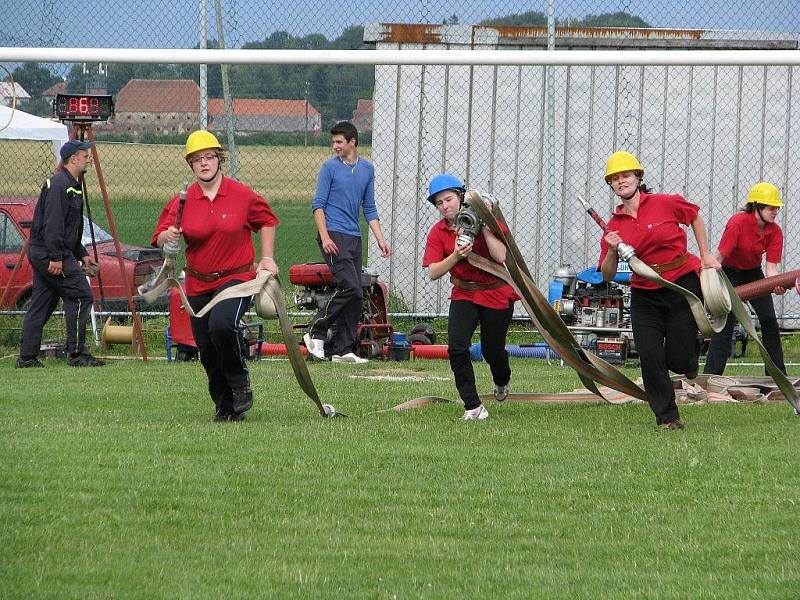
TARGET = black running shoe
(85,360)
(29,363)
(242,399)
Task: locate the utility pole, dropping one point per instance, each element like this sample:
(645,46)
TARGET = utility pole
(305,129)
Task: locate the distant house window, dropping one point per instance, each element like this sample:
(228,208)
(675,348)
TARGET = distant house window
(158,117)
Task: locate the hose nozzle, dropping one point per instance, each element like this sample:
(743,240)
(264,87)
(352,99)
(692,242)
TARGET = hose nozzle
(625,251)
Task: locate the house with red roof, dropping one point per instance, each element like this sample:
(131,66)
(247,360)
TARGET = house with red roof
(57,88)
(362,115)
(166,106)
(160,106)
(265,114)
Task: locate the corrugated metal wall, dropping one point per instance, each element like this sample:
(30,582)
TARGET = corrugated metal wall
(708,133)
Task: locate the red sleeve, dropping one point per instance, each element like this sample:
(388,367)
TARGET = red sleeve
(730,238)
(434,248)
(260,214)
(775,247)
(165,219)
(685,211)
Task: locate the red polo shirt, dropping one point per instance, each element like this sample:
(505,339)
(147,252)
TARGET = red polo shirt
(441,243)
(218,233)
(743,243)
(656,234)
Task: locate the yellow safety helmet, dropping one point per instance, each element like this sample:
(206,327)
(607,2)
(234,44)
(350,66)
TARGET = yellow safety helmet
(622,161)
(765,193)
(201,140)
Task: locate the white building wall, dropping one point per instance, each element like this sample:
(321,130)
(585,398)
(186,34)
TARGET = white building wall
(708,133)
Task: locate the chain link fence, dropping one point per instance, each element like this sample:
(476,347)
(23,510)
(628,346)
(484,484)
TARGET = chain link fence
(535,137)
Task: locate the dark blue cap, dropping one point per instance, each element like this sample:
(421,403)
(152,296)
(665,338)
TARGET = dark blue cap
(71,147)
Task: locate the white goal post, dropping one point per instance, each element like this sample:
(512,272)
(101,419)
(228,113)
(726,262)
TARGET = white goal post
(405,57)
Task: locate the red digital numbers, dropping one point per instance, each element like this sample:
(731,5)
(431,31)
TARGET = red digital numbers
(83,105)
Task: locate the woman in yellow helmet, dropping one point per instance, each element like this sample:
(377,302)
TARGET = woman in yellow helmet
(218,219)
(664,329)
(749,235)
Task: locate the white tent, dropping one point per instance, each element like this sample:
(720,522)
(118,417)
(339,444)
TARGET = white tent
(23,126)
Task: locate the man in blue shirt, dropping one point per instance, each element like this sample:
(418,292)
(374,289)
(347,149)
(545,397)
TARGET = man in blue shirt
(345,187)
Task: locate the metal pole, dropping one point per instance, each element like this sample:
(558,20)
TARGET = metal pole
(112,225)
(203,67)
(549,216)
(226,92)
(305,130)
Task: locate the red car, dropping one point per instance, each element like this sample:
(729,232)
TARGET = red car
(16,215)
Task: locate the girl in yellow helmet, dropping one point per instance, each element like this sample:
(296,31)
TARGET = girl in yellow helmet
(664,329)
(749,235)
(218,220)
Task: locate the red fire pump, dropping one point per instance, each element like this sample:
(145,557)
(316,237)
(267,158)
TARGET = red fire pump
(316,286)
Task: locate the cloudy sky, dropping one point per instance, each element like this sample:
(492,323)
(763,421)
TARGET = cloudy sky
(174,23)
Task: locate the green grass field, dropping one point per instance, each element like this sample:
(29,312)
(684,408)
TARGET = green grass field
(149,172)
(116,484)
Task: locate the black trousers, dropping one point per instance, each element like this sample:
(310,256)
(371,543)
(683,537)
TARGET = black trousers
(665,334)
(220,345)
(464,317)
(343,310)
(71,287)
(719,350)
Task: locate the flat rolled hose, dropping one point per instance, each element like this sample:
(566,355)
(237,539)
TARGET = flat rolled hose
(762,287)
(270,303)
(589,367)
(718,292)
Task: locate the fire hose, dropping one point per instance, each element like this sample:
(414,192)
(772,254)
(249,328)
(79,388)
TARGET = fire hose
(762,287)
(591,369)
(269,304)
(720,299)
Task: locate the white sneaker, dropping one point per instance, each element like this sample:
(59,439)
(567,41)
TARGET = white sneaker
(348,358)
(476,414)
(501,392)
(315,347)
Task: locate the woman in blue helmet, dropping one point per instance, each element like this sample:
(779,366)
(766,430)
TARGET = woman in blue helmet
(476,298)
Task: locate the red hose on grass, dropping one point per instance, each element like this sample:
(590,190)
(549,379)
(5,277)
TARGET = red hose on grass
(418,350)
(278,350)
(429,351)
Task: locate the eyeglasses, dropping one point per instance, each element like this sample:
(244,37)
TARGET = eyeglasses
(203,157)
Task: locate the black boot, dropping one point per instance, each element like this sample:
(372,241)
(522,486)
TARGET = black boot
(242,399)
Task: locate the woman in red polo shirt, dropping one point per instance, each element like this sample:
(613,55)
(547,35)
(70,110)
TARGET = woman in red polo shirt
(477,297)
(749,235)
(664,329)
(218,220)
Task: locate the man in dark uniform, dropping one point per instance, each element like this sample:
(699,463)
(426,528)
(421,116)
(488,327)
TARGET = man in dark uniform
(57,257)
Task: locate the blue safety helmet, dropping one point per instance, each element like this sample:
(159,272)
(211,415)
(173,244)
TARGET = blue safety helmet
(442,182)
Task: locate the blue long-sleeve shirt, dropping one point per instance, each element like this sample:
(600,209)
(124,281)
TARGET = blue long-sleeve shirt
(343,191)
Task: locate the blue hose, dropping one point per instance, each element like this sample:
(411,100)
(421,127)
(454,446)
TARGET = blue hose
(537,350)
